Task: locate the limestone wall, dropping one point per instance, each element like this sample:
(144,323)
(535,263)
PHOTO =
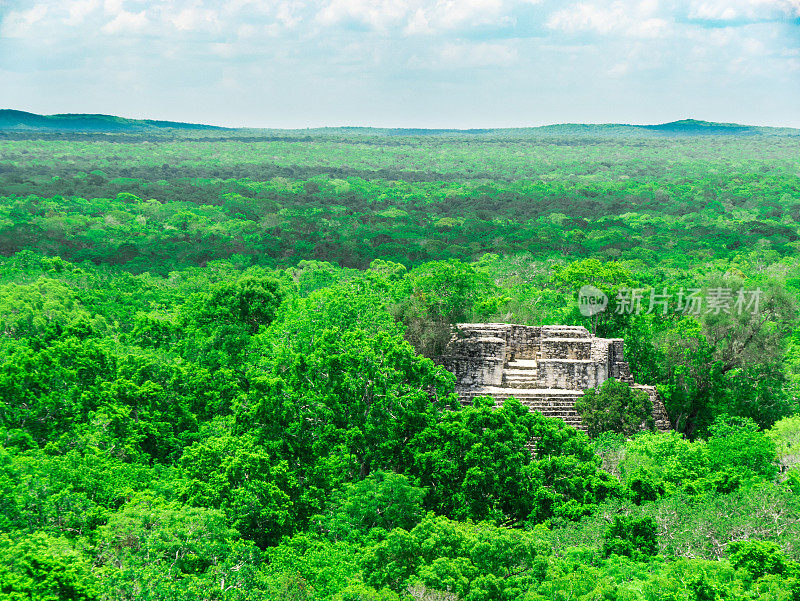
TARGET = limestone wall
(566,348)
(572,374)
(522,342)
(525,342)
(546,366)
(476,361)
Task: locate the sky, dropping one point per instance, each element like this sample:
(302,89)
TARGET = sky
(405,63)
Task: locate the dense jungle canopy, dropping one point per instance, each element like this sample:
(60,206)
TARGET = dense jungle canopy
(218,375)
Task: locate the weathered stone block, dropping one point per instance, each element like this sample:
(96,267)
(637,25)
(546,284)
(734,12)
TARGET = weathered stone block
(547,368)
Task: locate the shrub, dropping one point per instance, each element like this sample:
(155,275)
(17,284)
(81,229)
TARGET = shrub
(758,558)
(631,536)
(736,443)
(615,407)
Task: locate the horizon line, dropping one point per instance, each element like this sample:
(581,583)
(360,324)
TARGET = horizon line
(409,127)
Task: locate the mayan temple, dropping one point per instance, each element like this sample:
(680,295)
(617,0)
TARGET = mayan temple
(546,368)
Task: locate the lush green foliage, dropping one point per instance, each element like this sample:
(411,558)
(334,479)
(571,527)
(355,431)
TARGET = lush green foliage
(615,407)
(632,537)
(218,375)
(157,204)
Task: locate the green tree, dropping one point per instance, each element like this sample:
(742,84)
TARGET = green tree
(156,550)
(738,444)
(220,323)
(434,296)
(615,407)
(44,568)
(786,436)
(758,558)
(608,276)
(728,361)
(634,537)
(383,500)
(236,475)
(472,561)
(477,464)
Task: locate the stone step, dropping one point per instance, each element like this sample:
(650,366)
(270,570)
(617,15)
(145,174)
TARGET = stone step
(531,374)
(560,411)
(551,403)
(548,402)
(544,407)
(547,406)
(517,378)
(562,408)
(572,421)
(533,395)
(522,364)
(556,409)
(523,384)
(531,377)
(520,372)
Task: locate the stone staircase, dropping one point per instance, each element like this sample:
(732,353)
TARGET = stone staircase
(561,406)
(521,381)
(521,373)
(555,403)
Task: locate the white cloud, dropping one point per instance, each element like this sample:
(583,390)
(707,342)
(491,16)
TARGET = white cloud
(634,36)
(450,14)
(585,17)
(126,22)
(418,23)
(223,50)
(751,51)
(420,16)
(618,70)
(440,49)
(113,7)
(375,13)
(285,15)
(79,10)
(247,30)
(730,10)
(18,24)
(649,28)
(633,19)
(192,19)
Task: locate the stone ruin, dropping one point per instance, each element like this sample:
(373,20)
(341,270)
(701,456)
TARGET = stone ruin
(546,368)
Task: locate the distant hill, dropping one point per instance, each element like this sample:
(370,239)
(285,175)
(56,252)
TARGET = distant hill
(23,121)
(20,122)
(684,127)
(694,127)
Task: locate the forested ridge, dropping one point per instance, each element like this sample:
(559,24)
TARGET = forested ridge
(217,374)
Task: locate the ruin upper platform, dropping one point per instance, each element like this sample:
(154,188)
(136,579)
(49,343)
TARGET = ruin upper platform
(545,367)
